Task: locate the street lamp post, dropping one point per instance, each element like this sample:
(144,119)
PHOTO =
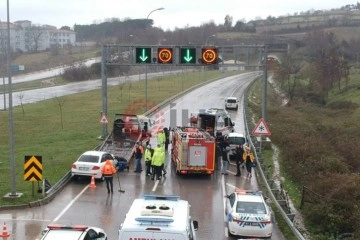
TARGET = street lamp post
(146,100)
(206,42)
(13,193)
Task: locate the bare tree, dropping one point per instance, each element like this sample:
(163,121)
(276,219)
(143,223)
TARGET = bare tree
(287,73)
(60,101)
(21,97)
(34,33)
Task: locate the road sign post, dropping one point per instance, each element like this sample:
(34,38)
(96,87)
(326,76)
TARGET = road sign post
(261,129)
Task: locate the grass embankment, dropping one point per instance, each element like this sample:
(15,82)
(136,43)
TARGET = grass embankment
(319,150)
(39,129)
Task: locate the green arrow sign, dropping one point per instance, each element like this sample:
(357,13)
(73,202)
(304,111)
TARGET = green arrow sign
(188,55)
(143,55)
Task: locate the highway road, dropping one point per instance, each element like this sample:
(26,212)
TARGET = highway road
(79,204)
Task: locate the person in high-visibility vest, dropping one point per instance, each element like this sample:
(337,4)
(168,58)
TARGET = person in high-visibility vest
(157,162)
(108,172)
(161,137)
(148,155)
(248,157)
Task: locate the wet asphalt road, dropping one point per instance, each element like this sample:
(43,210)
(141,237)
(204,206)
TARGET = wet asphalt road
(79,204)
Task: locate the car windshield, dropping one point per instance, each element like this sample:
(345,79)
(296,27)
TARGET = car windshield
(89,159)
(231,101)
(237,140)
(250,207)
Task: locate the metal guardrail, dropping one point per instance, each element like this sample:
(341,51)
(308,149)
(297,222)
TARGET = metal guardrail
(276,194)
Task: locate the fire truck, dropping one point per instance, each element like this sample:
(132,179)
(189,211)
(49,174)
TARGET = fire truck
(193,151)
(215,121)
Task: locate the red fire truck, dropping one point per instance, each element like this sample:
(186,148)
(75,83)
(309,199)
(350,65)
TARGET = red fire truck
(193,151)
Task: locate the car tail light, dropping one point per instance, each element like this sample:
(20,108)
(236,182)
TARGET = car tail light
(96,168)
(234,219)
(73,166)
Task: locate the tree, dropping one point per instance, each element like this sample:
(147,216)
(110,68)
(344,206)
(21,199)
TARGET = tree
(65,28)
(228,22)
(287,72)
(325,57)
(35,33)
(60,101)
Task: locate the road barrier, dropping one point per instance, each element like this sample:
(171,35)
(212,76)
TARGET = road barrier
(277,193)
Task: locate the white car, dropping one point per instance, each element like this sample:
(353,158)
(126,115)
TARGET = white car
(248,214)
(90,164)
(231,103)
(235,139)
(76,232)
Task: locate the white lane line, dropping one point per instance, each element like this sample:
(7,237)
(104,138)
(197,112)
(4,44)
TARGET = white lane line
(155,186)
(224,203)
(70,204)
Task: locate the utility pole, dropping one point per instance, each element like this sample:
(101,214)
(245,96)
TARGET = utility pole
(264,102)
(13,193)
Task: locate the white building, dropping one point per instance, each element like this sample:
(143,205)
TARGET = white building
(25,37)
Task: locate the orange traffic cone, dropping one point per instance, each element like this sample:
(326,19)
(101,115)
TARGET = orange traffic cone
(92,183)
(4,232)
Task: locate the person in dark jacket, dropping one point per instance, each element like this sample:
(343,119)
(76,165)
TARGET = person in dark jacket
(239,152)
(138,155)
(225,161)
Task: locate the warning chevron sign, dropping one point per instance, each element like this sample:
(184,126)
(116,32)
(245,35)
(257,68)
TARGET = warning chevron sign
(103,119)
(33,168)
(261,129)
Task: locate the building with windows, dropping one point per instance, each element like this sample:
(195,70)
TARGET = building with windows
(26,37)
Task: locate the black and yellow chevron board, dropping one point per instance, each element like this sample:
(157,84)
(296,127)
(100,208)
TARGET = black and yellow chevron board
(33,168)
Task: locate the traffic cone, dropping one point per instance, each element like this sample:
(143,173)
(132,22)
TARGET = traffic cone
(92,183)
(4,232)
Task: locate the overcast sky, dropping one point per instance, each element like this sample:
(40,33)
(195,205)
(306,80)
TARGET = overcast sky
(180,13)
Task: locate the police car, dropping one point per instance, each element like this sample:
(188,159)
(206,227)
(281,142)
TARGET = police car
(75,232)
(248,214)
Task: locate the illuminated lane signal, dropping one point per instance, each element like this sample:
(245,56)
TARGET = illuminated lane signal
(209,55)
(187,55)
(165,55)
(143,55)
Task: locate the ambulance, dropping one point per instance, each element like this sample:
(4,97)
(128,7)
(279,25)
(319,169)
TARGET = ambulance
(157,217)
(216,121)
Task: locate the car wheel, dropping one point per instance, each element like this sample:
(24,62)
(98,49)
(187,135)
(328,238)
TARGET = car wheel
(75,177)
(229,233)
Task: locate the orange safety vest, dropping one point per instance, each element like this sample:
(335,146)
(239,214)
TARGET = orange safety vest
(108,169)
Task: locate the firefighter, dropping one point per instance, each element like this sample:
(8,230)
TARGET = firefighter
(167,138)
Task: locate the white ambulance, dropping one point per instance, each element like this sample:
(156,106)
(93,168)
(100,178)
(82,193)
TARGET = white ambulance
(158,218)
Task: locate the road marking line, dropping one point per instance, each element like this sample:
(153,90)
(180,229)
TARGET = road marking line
(70,204)
(155,186)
